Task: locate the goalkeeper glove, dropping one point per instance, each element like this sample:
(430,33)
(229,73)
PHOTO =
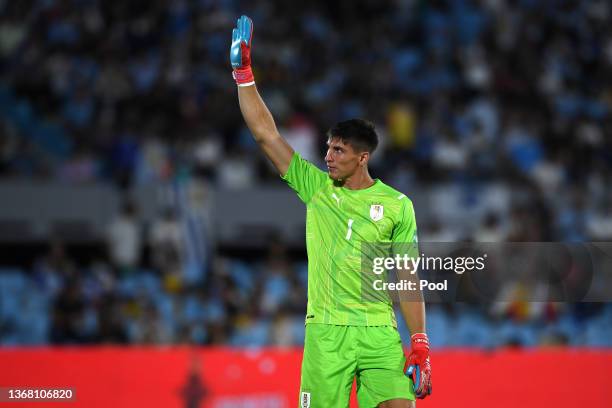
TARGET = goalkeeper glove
(418,367)
(240,52)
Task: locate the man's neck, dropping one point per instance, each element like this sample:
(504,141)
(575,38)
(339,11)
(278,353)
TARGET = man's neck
(358,181)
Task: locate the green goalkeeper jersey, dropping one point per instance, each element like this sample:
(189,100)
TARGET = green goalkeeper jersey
(338,222)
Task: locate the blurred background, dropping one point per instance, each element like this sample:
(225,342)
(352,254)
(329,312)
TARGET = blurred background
(135,208)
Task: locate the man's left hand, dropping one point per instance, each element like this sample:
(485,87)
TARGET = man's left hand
(418,366)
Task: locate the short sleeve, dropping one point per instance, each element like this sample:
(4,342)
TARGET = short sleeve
(405,230)
(404,236)
(304,177)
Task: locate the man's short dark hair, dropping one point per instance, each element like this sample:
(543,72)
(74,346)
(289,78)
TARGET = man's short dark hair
(358,133)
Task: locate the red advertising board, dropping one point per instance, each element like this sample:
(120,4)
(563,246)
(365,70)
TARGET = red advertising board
(233,378)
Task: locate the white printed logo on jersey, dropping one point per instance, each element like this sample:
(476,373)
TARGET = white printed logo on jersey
(335,197)
(376,212)
(305,397)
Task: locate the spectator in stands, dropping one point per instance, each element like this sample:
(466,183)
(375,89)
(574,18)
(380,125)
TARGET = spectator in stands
(166,240)
(68,314)
(124,239)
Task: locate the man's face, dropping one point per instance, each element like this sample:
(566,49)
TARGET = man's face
(341,159)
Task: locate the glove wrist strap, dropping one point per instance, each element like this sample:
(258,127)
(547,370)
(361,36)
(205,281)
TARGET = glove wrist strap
(243,76)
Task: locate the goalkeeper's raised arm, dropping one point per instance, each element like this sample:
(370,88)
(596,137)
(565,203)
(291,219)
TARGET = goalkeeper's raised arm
(256,115)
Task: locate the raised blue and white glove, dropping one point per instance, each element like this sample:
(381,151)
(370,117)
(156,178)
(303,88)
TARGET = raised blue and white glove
(240,52)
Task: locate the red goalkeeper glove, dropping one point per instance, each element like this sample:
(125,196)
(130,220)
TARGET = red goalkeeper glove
(418,367)
(240,52)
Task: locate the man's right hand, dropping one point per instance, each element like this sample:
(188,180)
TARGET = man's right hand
(240,52)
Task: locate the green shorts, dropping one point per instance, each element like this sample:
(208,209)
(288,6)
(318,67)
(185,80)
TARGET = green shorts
(335,355)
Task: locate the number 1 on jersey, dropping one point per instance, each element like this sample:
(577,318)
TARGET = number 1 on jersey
(350,229)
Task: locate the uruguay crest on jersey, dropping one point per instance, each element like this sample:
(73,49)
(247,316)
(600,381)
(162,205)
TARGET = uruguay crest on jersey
(376,212)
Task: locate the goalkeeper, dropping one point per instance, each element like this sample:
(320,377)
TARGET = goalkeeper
(346,338)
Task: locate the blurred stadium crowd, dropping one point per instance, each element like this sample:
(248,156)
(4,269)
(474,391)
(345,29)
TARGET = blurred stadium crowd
(244,303)
(515,93)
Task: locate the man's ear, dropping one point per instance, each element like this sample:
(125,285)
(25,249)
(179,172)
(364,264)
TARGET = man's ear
(363,158)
